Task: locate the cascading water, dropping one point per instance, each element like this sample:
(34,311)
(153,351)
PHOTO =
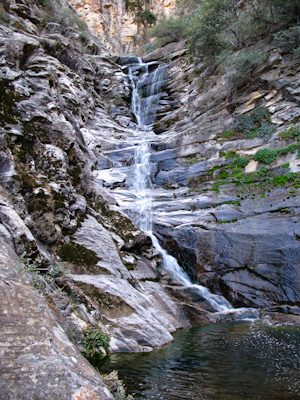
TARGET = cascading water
(244,360)
(146,91)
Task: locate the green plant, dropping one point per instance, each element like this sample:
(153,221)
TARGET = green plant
(93,339)
(245,61)
(288,38)
(257,123)
(261,171)
(146,17)
(42,278)
(230,154)
(242,162)
(205,28)
(265,156)
(168,30)
(228,134)
(227,221)
(290,177)
(149,47)
(291,133)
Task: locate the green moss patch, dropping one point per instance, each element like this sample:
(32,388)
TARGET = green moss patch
(77,254)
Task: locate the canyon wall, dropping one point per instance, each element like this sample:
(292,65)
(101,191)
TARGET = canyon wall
(117,27)
(67,145)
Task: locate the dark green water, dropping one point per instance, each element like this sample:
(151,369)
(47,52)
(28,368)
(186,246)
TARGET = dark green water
(233,361)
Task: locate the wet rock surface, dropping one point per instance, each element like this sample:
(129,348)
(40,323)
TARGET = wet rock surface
(67,149)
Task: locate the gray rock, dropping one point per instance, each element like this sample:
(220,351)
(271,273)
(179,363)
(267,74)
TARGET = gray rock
(138,318)
(253,261)
(41,359)
(95,237)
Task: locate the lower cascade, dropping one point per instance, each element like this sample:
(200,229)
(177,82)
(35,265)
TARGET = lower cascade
(146,90)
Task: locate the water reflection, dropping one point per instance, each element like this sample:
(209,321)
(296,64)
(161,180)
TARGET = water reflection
(223,361)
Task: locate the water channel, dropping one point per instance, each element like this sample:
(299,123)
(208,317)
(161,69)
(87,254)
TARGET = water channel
(245,359)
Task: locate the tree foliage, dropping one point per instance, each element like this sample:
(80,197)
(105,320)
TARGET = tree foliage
(169,30)
(140,8)
(214,26)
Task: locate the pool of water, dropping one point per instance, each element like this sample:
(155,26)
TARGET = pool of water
(239,360)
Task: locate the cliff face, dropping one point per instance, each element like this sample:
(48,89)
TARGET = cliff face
(117,27)
(64,104)
(231,146)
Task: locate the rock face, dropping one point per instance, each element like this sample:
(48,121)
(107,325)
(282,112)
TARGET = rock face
(117,27)
(37,358)
(231,218)
(228,215)
(66,165)
(65,120)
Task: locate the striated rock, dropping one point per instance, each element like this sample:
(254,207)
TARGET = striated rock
(36,354)
(138,315)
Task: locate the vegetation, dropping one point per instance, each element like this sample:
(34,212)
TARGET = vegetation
(215,26)
(169,30)
(256,124)
(292,133)
(77,254)
(259,180)
(42,278)
(267,156)
(140,9)
(93,339)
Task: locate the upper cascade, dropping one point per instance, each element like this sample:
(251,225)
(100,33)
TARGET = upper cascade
(147,80)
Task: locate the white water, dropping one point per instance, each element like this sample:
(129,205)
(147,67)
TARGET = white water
(144,109)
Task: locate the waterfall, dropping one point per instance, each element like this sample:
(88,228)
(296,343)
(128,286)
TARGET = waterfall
(147,81)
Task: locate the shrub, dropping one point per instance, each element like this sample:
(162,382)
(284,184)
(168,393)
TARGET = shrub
(206,26)
(288,38)
(261,171)
(150,47)
(169,30)
(258,123)
(230,154)
(265,156)
(93,339)
(290,177)
(242,162)
(291,133)
(244,62)
(146,17)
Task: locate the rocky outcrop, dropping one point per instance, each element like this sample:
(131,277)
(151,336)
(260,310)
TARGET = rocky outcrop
(66,165)
(233,226)
(38,360)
